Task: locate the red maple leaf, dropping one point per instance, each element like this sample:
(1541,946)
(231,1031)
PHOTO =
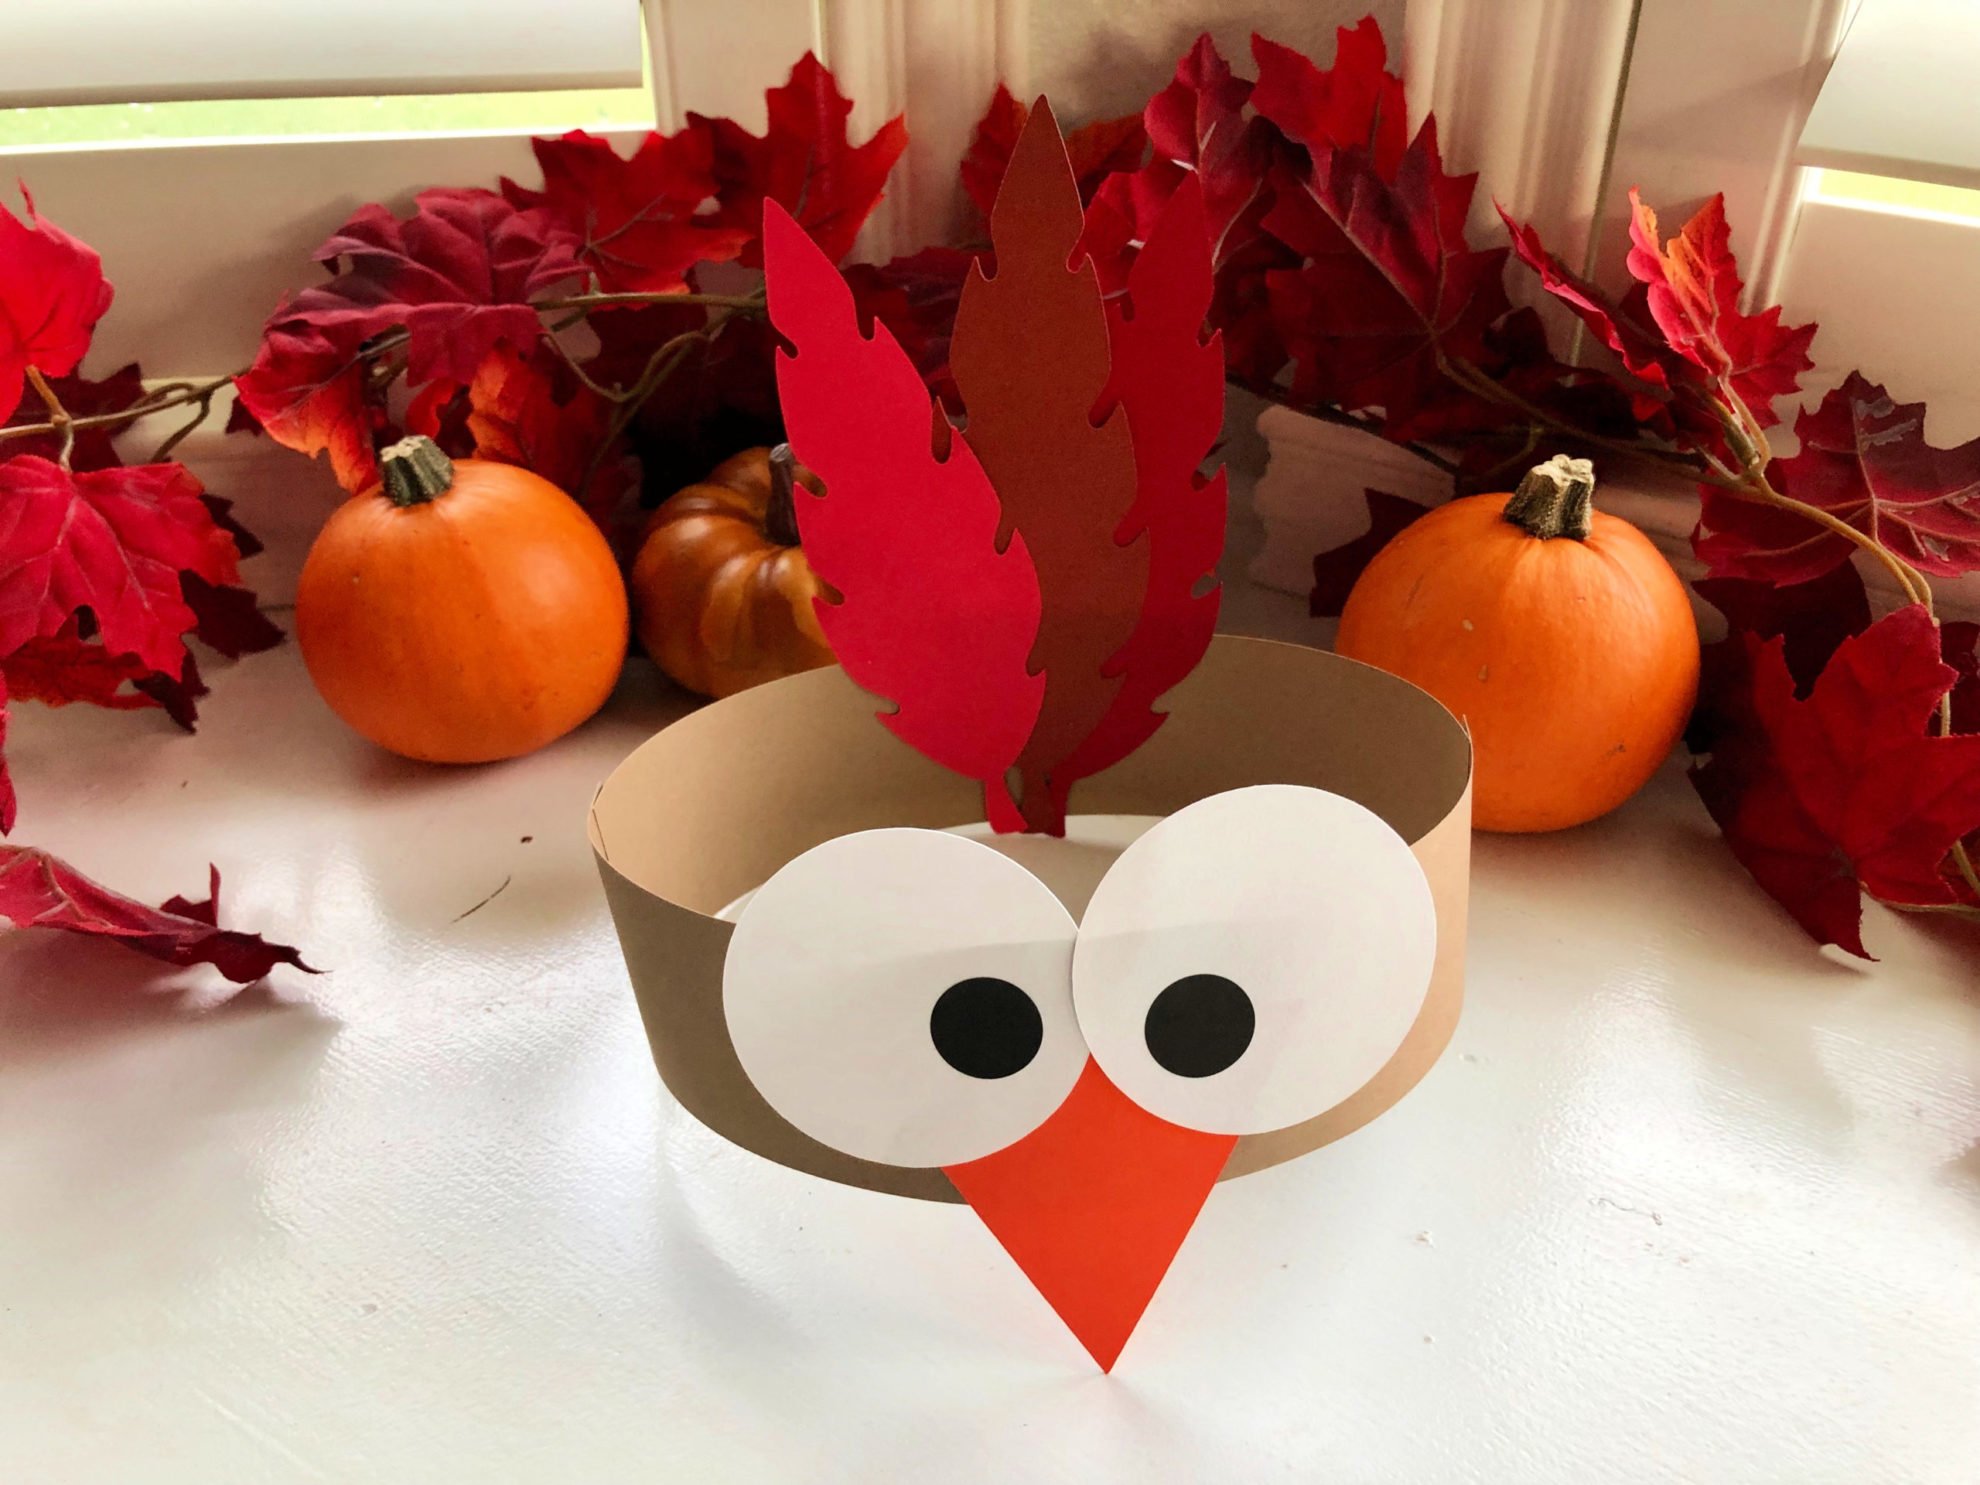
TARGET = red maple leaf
(439,411)
(1170,382)
(1680,331)
(1096,150)
(535,413)
(636,223)
(312,394)
(1355,104)
(1864,460)
(1813,618)
(1198,125)
(1631,336)
(228,618)
(931,614)
(38,890)
(456,277)
(114,541)
(1389,284)
(67,667)
(1336,571)
(803,162)
(1694,290)
(63,668)
(1847,791)
(1959,642)
(1031,358)
(52,293)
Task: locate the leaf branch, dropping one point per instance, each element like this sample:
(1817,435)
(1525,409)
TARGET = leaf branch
(59,422)
(601,300)
(1748,441)
(201,394)
(1477,382)
(159,399)
(660,366)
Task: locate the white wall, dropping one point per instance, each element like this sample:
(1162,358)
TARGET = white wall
(1097,58)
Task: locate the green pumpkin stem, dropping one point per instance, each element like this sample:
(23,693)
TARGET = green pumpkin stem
(1555,499)
(415,470)
(780,519)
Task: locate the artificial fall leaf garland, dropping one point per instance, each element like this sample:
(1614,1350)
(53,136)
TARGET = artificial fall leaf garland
(106,570)
(1836,747)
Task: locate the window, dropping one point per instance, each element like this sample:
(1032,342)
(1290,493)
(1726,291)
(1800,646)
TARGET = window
(205,49)
(211,151)
(129,123)
(221,141)
(1886,252)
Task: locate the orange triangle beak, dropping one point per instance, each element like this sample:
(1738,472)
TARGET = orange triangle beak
(1093,1205)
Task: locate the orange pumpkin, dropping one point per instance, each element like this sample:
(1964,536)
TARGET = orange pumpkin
(460,612)
(1557,633)
(722,592)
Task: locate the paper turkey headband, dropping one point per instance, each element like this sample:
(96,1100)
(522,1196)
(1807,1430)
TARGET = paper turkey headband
(897,1007)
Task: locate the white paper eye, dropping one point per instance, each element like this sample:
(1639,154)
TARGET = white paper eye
(1254,958)
(905,996)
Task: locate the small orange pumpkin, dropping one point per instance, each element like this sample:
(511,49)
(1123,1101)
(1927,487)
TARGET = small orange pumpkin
(1557,633)
(460,612)
(722,592)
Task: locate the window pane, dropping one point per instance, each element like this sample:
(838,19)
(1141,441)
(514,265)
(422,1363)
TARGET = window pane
(277,118)
(1889,190)
(537,113)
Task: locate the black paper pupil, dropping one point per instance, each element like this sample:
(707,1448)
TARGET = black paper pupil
(986,1027)
(1199,1026)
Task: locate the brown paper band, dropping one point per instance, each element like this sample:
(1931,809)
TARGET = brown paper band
(711,807)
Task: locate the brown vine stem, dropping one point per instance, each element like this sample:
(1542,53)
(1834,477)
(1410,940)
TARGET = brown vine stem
(1477,382)
(1760,490)
(659,367)
(1943,909)
(595,301)
(176,394)
(204,401)
(610,394)
(59,421)
(1965,864)
(1749,442)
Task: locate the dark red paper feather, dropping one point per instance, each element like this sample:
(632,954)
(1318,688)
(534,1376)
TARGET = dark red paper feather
(931,614)
(1170,382)
(1031,359)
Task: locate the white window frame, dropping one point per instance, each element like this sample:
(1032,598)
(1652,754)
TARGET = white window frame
(1562,105)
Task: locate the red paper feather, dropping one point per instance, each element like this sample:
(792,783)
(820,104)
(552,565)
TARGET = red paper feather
(1035,666)
(931,614)
(1031,360)
(1170,381)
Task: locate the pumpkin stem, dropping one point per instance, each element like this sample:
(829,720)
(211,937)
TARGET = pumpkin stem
(415,471)
(780,520)
(1555,499)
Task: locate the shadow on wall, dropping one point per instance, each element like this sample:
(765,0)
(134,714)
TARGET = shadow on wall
(1096,58)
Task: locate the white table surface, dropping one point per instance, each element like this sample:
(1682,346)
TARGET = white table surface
(1686,1200)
